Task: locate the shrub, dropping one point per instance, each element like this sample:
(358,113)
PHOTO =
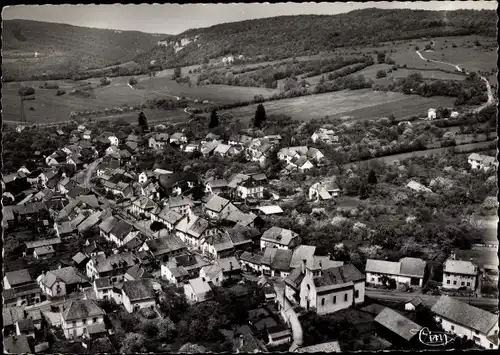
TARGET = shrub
(132,81)
(105,81)
(381,74)
(60,92)
(26,91)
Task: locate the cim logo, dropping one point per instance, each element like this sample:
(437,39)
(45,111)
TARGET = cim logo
(432,338)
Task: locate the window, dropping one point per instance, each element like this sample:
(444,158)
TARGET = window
(454,282)
(345,297)
(491,346)
(322,301)
(463,283)
(334,299)
(452,327)
(373,279)
(356,293)
(468,284)
(94,320)
(308,288)
(448,282)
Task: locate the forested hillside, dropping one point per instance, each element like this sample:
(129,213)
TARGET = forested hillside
(286,36)
(60,46)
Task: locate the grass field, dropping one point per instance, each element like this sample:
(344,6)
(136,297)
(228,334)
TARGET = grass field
(51,108)
(361,104)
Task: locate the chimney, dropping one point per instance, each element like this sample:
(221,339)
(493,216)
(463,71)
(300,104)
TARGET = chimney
(231,265)
(303,266)
(203,279)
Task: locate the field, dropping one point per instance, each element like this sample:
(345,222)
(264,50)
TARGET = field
(361,104)
(51,108)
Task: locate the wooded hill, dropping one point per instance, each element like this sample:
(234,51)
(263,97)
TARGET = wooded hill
(286,36)
(61,46)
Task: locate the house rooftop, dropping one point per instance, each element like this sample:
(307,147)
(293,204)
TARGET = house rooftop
(328,347)
(216,203)
(81,309)
(279,235)
(18,277)
(460,267)
(199,286)
(138,290)
(337,276)
(398,324)
(465,315)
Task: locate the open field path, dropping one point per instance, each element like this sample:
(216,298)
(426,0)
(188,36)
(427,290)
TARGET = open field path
(491,99)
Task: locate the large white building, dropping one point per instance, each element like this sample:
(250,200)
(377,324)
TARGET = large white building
(82,317)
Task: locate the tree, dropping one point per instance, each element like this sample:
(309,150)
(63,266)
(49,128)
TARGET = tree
(133,343)
(364,191)
(260,116)
(105,81)
(372,177)
(143,121)
(214,119)
(381,74)
(167,329)
(150,328)
(132,81)
(26,91)
(177,72)
(381,57)
(190,348)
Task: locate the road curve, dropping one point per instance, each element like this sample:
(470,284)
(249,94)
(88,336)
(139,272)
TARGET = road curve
(491,99)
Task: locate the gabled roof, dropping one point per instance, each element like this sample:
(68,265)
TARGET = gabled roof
(45,250)
(460,267)
(217,183)
(328,347)
(69,275)
(281,259)
(270,209)
(17,344)
(199,286)
(121,229)
(279,235)
(90,221)
(137,272)
(338,276)
(294,279)
(302,252)
(108,224)
(398,324)
(220,241)
(81,309)
(465,315)
(160,246)
(103,283)
(138,290)
(145,203)
(250,257)
(229,264)
(416,301)
(79,257)
(11,315)
(216,203)
(198,227)
(382,267)
(18,277)
(222,148)
(42,243)
(170,216)
(179,201)
(412,267)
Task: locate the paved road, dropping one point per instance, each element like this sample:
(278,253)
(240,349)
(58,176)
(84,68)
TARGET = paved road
(429,300)
(90,171)
(289,313)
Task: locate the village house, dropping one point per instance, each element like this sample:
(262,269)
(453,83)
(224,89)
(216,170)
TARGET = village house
(216,186)
(324,135)
(103,288)
(208,148)
(210,137)
(230,266)
(413,304)
(159,141)
(138,294)
(61,282)
(278,335)
(121,233)
(17,344)
(114,266)
(222,150)
(25,295)
(333,289)
(165,247)
(106,226)
(482,162)
(218,245)
(395,327)
(17,278)
(82,317)
(276,262)
(407,270)
(213,274)
(178,138)
(251,261)
(197,290)
(252,188)
(459,274)
(181,268)
(143,205)
(323,191)
(269,210)
(214,206)
(87,134)
(190,148)
(168,217)
(180,204)
(280,238)
(467,321)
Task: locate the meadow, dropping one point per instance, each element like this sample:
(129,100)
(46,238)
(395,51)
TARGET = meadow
(360,104)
